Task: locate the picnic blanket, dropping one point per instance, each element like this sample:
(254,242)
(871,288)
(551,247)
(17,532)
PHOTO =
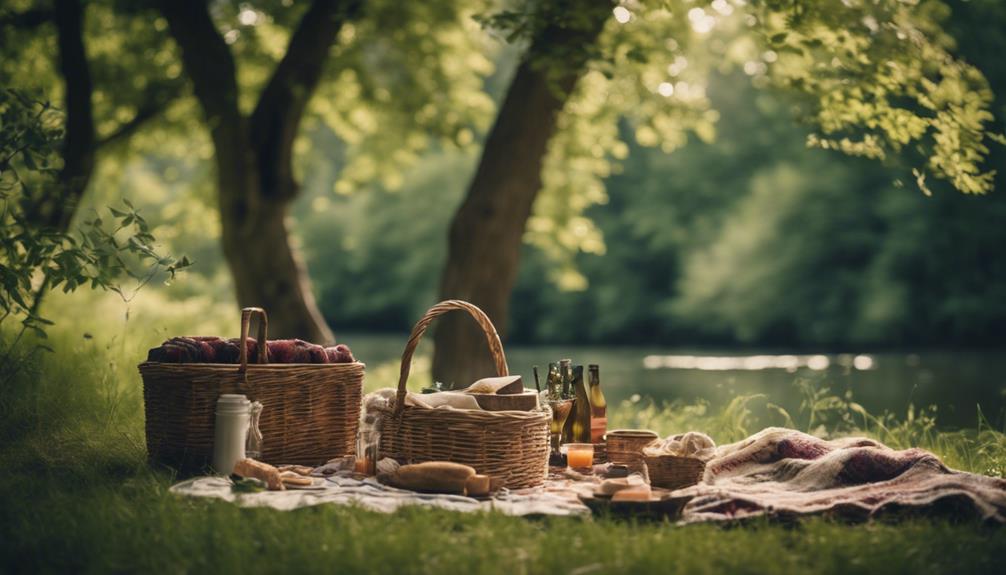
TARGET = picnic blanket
(785,473)
(556,497)
(779,473)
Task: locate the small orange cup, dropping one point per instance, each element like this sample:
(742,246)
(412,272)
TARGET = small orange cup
(580,455)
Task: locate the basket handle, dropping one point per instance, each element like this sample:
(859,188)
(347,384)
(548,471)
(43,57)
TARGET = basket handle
(493,339)
(263,330)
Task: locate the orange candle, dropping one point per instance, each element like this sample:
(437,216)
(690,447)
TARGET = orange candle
(580,455)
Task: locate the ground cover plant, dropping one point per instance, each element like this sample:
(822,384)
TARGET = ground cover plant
(79,496)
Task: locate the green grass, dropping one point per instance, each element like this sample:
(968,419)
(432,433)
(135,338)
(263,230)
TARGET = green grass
(78,496)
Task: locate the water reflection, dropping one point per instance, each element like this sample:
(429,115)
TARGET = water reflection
(790,363)
(956,381)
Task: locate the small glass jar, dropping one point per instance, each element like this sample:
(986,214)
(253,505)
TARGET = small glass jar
(368,443)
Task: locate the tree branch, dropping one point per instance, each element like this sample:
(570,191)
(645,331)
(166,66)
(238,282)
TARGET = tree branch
(277,116)
(208,62)
(156,100)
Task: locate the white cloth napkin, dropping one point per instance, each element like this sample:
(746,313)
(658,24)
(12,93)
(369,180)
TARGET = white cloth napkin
(446,399)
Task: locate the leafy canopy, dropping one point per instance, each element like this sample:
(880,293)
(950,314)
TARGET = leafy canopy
(34,259)
(876,78)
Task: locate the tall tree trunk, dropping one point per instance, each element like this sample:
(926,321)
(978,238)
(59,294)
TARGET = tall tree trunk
(56,210)
(484,241)
(254,155)
(267,271)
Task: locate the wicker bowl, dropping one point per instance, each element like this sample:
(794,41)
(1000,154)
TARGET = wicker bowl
(673,472)
(625,446)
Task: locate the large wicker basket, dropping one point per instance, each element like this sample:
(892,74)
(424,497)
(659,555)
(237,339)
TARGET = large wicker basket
(310,411)
(510,445)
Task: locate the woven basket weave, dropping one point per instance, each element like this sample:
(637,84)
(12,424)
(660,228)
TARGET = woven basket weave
(310,411)
(673,472)
(625,446)
(510,445)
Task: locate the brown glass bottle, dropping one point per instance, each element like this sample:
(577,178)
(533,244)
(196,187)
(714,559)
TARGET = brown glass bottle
(598,406)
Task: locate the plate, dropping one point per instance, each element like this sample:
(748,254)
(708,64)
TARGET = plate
(317,484)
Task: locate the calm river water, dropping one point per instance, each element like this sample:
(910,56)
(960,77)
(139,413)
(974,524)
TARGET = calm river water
(957,382)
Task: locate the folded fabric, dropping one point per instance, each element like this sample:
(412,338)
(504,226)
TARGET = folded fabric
(211,349)
(449,399)
(691,444)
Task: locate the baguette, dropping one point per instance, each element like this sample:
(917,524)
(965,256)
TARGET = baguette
(433,476)
(262,471)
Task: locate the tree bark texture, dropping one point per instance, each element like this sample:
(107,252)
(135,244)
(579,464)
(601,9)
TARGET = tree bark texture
(56,210)
(254,156)
(486,232)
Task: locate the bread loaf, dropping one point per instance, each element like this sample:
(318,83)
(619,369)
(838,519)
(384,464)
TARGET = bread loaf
(433,476)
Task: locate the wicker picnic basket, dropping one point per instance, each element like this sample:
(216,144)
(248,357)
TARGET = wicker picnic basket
(625,446)
(310,411)
(673,472)
(510,445)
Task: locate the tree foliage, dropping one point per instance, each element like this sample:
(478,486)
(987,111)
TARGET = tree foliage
(876,79)
(752,238)
(36,259)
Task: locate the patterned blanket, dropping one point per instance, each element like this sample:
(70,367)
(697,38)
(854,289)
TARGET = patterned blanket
(785,473)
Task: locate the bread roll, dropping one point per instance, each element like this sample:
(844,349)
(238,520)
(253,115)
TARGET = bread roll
(477,485)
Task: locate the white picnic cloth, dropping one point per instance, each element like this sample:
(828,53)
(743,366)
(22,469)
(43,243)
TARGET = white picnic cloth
(554,498)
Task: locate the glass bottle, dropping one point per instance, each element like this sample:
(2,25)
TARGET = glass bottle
(553,382)
(598,406)
(581,405)
(566,375)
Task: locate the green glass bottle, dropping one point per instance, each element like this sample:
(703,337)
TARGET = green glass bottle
(598,406)
(581,405)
